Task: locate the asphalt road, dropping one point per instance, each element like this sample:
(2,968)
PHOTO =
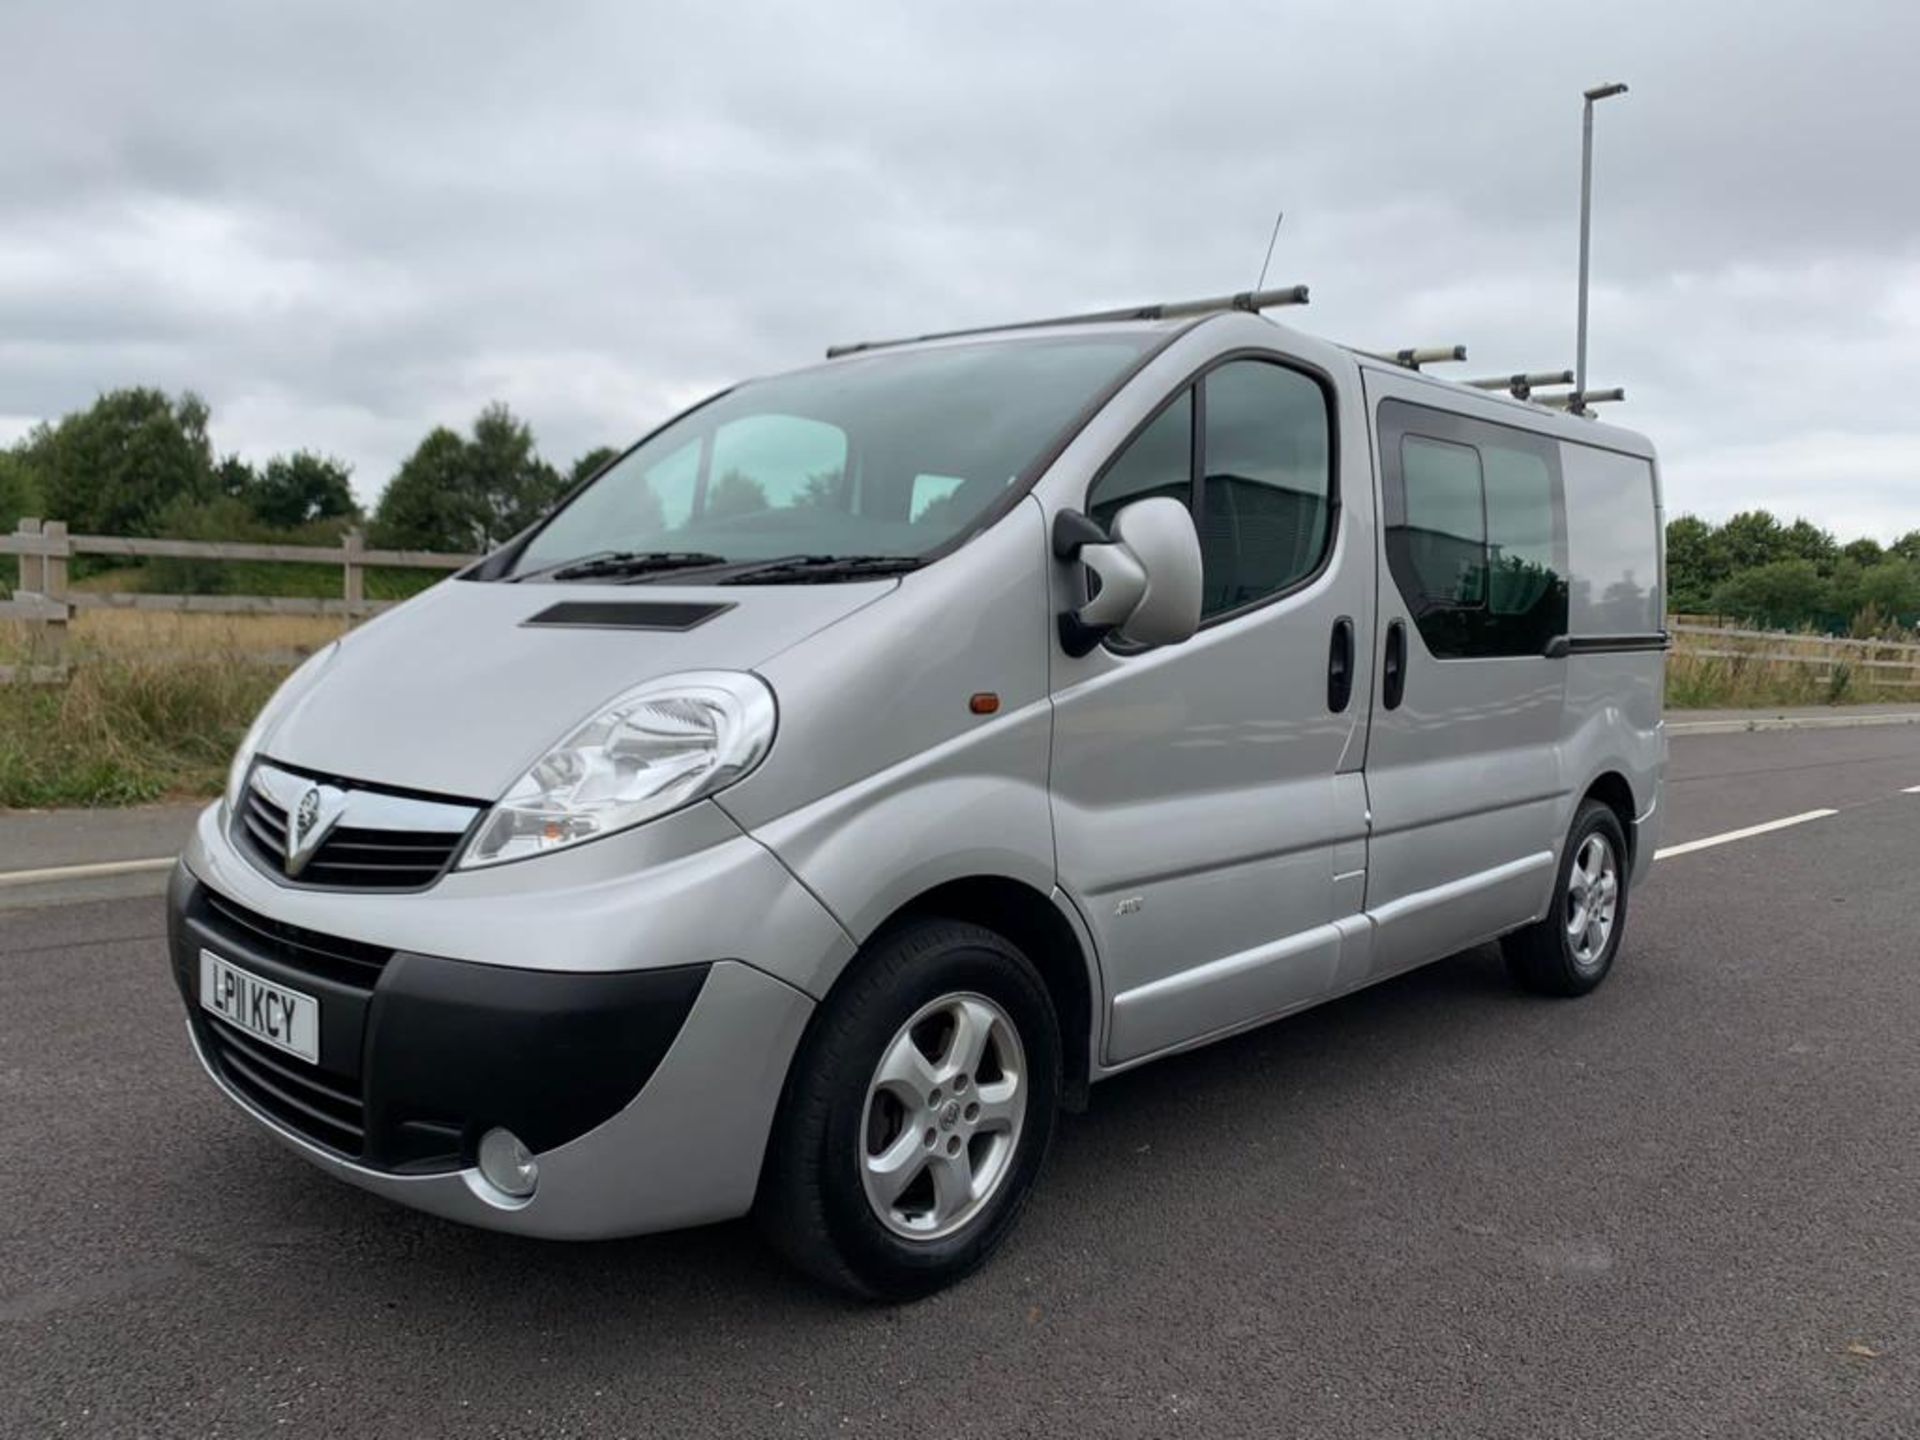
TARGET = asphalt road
(1688,1205)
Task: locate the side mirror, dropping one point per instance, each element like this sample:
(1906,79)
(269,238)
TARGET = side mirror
(1149,570)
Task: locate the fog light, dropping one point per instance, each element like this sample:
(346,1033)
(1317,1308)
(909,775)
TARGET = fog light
(507,1164)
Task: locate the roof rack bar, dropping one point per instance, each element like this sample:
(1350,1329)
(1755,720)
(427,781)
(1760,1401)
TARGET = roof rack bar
(1249,300)
(1416,356)
(1577,401)
(1525,380)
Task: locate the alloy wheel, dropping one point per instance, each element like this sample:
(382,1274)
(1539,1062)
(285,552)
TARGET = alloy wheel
(943,1116)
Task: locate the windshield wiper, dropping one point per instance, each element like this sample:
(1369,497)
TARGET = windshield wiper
(821,569)
(615,563)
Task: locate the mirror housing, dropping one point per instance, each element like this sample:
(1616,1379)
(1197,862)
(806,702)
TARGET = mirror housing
(1149,569)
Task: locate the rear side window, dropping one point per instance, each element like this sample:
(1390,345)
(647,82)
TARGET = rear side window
(1445,535)
(1476,531)
(1248,448)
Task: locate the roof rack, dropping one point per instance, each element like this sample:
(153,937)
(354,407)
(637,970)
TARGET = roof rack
(1416,356)
(1521,386)
(1576,401)
(1249,300)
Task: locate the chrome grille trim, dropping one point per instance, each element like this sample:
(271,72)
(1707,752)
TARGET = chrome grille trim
(378,841)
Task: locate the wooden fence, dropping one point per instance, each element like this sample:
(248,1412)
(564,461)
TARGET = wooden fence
(1880,664)
(46,600)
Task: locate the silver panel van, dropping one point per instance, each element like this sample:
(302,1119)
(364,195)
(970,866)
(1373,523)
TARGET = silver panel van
(876,756)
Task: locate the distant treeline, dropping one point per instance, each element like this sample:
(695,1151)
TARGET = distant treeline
(139,462)
(1792,576)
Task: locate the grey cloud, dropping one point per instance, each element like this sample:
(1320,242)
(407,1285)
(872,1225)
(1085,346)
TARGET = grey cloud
(374,218)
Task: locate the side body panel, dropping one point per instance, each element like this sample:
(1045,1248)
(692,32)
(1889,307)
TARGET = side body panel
(883,783)
(1209,813)
(1616,675)
(1465,774)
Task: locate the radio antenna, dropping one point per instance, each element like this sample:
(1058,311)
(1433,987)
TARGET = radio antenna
(1270,242)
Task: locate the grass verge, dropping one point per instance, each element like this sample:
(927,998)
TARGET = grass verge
(1743,682)
(124,731)
(154,707)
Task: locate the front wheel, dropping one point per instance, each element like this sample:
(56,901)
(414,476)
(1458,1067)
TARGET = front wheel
(1570,951)
(917,1114)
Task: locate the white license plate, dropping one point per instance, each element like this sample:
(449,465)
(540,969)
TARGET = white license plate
(281,1017)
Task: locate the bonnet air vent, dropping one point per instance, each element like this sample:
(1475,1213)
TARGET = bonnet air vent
(628,614)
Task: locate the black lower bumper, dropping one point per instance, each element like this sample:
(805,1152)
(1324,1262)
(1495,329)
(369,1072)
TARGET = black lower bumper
(420,1055)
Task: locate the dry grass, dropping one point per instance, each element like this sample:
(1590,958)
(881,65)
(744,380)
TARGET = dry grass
(1739,682)
(158,702)
(154,708)
(131,634)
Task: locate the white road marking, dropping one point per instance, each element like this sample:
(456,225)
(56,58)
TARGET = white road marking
(1911,790)
(1690,846)
(83,872)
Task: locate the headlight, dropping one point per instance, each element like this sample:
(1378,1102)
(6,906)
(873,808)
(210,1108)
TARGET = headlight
(290,689)
(656,748)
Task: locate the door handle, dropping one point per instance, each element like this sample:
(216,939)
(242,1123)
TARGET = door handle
(1393,672)
(1340,665)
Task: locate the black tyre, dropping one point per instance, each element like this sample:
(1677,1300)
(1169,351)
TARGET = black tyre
(1572,949)
(916,1115)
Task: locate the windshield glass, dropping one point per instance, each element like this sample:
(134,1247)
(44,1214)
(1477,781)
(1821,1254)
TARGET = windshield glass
(887,454)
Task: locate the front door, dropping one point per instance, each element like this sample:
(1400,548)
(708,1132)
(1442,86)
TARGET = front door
(1462,758)
(1209,810)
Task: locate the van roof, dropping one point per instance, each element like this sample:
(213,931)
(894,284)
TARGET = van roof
(1184,315)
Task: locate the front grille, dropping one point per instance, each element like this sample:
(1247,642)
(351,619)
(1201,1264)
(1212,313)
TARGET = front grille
(349,962)
(353,856)
(304,1099)
(323,1103)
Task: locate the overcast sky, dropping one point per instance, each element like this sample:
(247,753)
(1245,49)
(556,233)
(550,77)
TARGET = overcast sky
(343,223)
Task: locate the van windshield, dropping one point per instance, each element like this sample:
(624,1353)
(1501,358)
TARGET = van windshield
(879,458)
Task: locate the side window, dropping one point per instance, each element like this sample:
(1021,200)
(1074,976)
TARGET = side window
(1476,531)
(1159,461)
(1265,492)
(1521,573)
(1263,504)
(1446,529)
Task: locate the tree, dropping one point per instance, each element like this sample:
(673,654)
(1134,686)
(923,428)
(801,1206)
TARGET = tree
(516,486)
(19,495)
(233,478)
(297,489)
(588,463)
(1891,587)
(1696,563)
(430,503)
(1804,540)
(1753,537)
(468,494)
(1781,593)
(1863,552)
(113,467)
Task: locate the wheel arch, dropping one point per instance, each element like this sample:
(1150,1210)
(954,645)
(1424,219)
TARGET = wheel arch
(1032,921)
(1612,789)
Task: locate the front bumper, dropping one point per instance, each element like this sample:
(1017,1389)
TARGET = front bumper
(646,1091)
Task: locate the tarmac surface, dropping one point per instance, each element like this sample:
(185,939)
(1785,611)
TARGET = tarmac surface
(1686,1205)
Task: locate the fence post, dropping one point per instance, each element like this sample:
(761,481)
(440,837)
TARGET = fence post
(53,585)
(355,593)
(32,567)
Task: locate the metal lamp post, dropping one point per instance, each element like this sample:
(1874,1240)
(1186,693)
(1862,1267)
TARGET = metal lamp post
(1598,92)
